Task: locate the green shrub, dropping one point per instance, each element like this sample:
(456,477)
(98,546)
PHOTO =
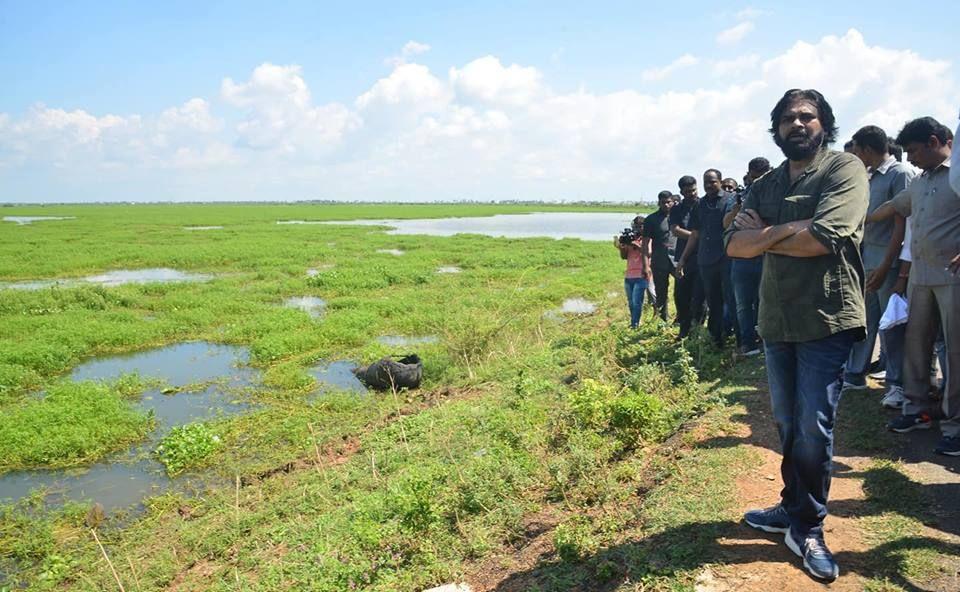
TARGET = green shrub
(638,416)
(574,540)
(591,403)
(187,446)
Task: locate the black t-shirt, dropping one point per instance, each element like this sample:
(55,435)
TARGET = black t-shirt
(680,216)
(707,219)
(656,227)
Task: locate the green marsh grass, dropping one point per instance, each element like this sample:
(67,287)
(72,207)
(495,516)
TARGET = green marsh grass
(376,492)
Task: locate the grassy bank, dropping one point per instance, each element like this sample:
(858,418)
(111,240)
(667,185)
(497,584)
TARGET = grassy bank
(409,485)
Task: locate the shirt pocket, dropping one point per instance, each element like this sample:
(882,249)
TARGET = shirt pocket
(829,298)
(798,207)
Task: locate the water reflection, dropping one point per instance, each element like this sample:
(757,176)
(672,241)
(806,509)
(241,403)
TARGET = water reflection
(311,305)
(114,278)
(23,220)
(578,306)
(593,226)
(337,375)
(214,380)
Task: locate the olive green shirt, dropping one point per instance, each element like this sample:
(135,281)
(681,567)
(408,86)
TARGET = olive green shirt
(807,298)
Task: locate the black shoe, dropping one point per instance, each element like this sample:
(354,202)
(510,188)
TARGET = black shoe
(910,422)
(817,558)
(949,445)
(773,519)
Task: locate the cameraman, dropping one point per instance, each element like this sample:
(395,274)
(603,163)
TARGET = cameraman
(637,276)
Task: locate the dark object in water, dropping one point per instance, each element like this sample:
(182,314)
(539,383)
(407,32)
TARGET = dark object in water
(387,373)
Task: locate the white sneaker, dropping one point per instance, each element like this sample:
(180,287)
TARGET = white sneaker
(894,399)
(880,375)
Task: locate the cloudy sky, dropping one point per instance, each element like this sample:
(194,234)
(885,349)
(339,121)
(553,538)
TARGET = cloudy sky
(180,101)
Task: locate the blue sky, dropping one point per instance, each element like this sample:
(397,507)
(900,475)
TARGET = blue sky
(86,87)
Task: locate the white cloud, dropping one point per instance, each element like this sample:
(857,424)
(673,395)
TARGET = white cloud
(487,80)
(409,86)
(193,115)
(885,86)
(486,130)
(735,33)
(412,48)
(684,61)
(280,112)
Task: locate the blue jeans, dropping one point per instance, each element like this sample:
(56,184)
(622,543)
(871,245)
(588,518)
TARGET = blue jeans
(805,386)
(636,288)
(859,361)
(746,274)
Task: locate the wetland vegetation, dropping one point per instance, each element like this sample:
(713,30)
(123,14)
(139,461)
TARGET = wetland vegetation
(539,413)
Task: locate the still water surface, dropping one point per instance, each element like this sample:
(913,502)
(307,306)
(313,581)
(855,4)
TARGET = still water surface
(593,226)
(217,377)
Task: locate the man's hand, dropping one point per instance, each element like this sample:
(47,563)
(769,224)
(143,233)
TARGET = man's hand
(954,266)
(748,220)
(678,270)
(901,286)
(877,277)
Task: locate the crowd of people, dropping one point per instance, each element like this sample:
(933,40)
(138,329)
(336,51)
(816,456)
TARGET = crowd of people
(804,262)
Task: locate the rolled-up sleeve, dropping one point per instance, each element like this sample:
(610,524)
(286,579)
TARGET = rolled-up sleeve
(843,203)
(903,202)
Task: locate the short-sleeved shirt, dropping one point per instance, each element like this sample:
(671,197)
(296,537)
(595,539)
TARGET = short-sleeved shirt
(656,227)
(887,180)
(808,298)
(707,220)
(907,236)
(680,216)
(636,263)
(934,208)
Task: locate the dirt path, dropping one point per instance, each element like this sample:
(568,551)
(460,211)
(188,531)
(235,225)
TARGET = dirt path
(894,519)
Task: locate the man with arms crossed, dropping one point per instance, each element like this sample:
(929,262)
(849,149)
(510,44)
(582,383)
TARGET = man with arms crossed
(806,218)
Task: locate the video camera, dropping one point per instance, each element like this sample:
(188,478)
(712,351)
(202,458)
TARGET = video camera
(630,235)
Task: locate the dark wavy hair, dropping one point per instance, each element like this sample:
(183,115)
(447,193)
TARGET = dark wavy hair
(824,113)
(686,180)
(920,130)
(872,137)
(758,164)
(894,150)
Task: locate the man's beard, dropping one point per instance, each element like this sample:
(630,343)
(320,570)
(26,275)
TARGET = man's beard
(800,146)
